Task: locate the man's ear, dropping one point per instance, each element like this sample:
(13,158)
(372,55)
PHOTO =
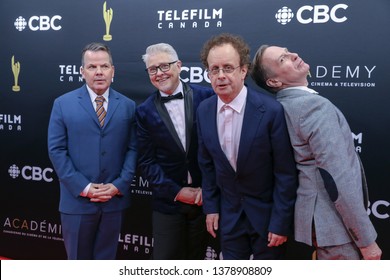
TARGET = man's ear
(82,71)
(273,83)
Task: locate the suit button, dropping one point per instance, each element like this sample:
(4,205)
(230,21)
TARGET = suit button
(103,154)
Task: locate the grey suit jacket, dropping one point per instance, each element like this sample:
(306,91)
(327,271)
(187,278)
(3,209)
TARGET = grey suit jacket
(330,183)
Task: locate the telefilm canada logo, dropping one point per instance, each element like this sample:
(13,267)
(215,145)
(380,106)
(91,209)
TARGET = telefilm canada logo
(140,244)
(70,73)
(313,14)
(190,18)
(10,122)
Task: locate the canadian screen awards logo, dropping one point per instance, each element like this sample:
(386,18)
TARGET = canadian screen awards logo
(15,70)
(107,16)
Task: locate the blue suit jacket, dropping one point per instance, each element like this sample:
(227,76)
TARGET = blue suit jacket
(82,152)
(162,158)
(264,185)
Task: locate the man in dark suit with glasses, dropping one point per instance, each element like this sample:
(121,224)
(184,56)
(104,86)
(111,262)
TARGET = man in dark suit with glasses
(168,157)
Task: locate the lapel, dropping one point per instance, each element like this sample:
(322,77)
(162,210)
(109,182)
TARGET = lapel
(112,106)
(85,102)
(254,112)
(188,111)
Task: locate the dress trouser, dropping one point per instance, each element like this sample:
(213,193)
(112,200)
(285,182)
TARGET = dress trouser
(91,236)
(348,251)
(243,243)
(180,236)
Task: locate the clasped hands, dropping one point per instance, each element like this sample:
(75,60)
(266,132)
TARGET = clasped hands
(102,192)
(190,195)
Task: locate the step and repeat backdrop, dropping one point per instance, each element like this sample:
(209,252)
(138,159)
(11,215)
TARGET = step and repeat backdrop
(346,43)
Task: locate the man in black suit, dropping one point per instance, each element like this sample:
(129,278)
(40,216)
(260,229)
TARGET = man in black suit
(168,157)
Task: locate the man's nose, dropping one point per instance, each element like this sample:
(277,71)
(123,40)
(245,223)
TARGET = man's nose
(221,73)
(99,70)
(294,56)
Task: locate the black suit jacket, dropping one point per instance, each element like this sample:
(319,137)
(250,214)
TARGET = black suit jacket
(163,160)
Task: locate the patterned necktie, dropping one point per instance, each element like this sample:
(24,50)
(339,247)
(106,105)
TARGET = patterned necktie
(168,98)
(100,111)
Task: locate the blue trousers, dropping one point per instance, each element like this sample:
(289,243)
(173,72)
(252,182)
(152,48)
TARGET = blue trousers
(91,236)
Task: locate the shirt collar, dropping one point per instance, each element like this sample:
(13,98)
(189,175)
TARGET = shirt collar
(237,104)
(93,95)
(305,88)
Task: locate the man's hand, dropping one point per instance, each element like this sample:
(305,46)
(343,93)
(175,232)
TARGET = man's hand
(102,192)
(199,198)
(371,252)
(190,195)
(212,221)
(275,240)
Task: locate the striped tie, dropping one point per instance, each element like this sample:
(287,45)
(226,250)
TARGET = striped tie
(101,113)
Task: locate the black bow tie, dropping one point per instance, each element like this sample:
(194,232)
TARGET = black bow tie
(168,98)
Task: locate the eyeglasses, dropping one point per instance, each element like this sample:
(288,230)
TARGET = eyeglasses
(228,69)
(164,67)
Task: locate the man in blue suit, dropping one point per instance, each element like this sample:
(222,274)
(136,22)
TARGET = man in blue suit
(168,146)
(92,145)
(249,175)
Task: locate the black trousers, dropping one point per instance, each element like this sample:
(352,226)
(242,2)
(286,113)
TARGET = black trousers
(181,236)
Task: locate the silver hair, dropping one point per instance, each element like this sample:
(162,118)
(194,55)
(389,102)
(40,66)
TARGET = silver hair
(159,48)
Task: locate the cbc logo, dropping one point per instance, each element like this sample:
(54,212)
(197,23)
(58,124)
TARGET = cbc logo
(38,23)
(194,75)
(284,15)
(313,14)
(31,173)
(379,209)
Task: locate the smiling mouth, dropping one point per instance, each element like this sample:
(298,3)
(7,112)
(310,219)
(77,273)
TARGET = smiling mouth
(163,79)
(300,63)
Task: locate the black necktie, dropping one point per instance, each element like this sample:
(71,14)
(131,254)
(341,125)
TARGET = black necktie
(168,98)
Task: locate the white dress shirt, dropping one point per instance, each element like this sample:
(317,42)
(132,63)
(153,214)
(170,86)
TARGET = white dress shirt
(238,106)
(176,112)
